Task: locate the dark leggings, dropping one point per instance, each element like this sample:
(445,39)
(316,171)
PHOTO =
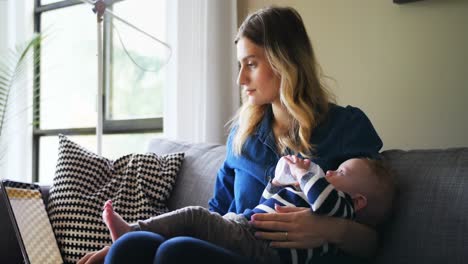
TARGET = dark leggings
(146,247)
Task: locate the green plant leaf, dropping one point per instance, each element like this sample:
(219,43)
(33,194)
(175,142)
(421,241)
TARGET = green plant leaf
(13,70)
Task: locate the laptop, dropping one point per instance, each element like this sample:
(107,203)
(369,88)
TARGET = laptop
(26,232)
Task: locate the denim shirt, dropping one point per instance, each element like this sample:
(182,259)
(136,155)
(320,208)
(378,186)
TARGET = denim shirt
(346,133)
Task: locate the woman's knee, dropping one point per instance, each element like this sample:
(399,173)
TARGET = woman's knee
(135,247)
(191,250)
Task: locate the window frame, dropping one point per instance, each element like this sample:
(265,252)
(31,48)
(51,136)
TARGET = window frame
(128,126)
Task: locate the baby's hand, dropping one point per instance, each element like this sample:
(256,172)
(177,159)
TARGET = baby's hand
(299,167)
(283,176)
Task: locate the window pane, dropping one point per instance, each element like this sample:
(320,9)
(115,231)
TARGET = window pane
(68,68)
(114,146)
(49,152)
(46,2)
(137,79)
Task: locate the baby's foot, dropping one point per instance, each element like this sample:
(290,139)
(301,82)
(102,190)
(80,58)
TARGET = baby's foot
(114,222)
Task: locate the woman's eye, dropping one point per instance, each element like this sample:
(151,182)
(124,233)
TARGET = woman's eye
(251,65)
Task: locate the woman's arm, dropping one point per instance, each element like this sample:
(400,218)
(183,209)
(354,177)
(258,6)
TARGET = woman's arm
(224,190)
(307,230)
(224,187)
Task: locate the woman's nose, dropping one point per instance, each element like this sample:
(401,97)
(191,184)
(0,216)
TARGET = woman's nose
(241,78)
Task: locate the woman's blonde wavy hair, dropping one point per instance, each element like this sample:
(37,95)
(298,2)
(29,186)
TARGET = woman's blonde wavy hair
(281,32)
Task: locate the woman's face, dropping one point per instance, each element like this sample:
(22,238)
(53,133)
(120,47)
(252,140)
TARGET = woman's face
(256,76)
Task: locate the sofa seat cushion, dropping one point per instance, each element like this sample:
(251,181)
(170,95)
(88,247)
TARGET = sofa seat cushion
(138,184)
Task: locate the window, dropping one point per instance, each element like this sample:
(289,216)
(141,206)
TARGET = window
(66,92)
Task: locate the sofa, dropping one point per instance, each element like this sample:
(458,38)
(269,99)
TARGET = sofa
(430,219)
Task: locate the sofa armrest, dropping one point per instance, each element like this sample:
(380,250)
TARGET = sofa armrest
(45,193)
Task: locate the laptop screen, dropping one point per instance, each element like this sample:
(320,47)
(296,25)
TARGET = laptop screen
(29,220)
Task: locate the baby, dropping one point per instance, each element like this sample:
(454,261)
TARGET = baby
(368,183)
(360,188)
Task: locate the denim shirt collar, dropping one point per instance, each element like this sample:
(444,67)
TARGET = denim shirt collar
(265,129)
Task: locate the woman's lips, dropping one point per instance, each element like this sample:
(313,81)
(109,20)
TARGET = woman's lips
(249,91)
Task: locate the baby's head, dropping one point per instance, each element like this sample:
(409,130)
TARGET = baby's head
(371,186)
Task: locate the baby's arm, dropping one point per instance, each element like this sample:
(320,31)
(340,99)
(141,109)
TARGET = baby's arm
(323,197)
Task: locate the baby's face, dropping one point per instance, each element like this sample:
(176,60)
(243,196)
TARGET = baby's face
(351,176)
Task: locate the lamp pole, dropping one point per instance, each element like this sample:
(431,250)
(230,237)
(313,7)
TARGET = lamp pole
(99,8)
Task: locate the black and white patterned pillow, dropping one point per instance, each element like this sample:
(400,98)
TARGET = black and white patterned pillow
(138,184)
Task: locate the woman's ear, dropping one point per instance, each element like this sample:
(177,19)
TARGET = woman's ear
(359,201)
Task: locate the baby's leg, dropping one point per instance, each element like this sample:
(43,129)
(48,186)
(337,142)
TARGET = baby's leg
(198,222)
(114,222)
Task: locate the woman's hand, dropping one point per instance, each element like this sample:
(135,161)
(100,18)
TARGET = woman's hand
(94,257)
(297,227)
(291,227)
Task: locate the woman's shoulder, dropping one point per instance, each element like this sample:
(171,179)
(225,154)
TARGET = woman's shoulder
(344,111)
(344,122)
(343,115)
(346,133)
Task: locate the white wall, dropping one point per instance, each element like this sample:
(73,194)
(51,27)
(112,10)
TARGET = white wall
(405,65)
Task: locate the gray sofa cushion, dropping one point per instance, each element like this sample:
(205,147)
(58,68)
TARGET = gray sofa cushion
(430,221)
(196,179)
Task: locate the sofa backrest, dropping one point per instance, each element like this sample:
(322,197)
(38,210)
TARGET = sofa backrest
(196,179)
(430,220)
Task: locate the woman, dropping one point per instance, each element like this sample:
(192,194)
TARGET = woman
(286,110)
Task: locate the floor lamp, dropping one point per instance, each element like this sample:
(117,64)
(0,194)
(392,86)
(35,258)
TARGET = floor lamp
(103,13)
